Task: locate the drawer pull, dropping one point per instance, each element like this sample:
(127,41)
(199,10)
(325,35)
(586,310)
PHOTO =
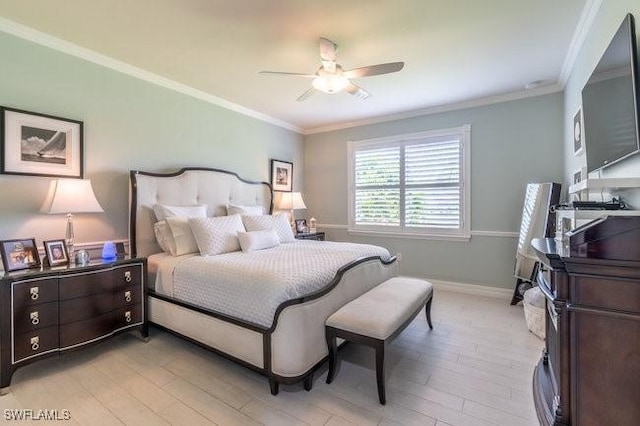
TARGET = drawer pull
(35,343)
(127,276)
(127,316)
(35,293)
(127,296)
(35,320)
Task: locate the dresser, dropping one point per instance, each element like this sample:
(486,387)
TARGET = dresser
(53,310)
(589,372)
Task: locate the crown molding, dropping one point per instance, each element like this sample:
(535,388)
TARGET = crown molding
(47,40)
(587,17)
(471,103)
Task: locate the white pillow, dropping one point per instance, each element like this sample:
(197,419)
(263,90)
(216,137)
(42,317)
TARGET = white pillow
(217,235)
(258,240)
(278,222)
(163,211)
(251,210)
(183,240)
(164,237)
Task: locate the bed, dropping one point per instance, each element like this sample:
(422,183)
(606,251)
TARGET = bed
(278,333)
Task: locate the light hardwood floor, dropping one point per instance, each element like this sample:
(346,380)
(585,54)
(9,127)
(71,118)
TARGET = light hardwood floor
(473,369)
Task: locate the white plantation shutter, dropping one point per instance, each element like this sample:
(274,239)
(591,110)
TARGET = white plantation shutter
(377,176)
(432,184)
(411,184)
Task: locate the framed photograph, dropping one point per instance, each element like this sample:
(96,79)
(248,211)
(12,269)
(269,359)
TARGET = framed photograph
(56,251)
(281,175)
(577,176)
(301,226)
(19,254)
(578,132)
(40,145)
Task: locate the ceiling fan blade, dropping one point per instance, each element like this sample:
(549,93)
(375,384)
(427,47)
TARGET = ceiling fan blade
(296,74)
(357,91)
(327,49)
(306,94)
(374,70)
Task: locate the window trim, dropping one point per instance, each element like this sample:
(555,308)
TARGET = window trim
(461,234)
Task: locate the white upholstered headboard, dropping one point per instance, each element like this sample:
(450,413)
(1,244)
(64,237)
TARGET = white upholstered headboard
(186,187)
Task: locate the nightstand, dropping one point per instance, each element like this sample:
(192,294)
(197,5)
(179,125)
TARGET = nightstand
(48,311)
(316,236)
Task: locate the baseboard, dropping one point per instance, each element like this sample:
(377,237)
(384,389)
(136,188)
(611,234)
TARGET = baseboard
(474,289)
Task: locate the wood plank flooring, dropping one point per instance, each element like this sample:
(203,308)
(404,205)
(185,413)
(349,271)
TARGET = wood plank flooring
(473,369)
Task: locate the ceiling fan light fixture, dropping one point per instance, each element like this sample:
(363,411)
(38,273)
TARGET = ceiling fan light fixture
(330,83)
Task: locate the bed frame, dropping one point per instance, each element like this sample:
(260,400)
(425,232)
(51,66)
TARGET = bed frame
(294,346)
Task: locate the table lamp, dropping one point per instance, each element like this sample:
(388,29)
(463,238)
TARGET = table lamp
(67,196)
(291,201)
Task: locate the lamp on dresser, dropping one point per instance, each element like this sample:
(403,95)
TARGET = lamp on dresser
(68,196)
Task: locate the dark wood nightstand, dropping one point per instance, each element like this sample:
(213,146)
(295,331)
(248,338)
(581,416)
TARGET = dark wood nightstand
(50,310)
(316,236)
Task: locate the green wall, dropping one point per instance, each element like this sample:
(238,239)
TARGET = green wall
(128,124)
(512,143)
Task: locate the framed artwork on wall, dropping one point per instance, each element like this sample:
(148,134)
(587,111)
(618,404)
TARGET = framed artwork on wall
(281,175)
(19,254)
(56,251)
(577,176)
(40,145)
(578,132)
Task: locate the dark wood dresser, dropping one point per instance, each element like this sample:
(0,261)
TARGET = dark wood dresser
(48,311)
(589,373)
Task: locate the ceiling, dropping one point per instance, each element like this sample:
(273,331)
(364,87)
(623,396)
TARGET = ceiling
(454,50)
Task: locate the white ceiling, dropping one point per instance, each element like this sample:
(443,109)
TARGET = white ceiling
(454,50)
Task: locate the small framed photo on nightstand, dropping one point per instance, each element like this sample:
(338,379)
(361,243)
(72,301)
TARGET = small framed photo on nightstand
(19,254)
(301,226)
(56,251)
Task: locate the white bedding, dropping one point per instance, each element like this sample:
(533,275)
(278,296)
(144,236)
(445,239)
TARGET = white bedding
(250,286)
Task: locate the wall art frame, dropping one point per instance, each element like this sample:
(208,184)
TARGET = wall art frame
(35,144)
(281,175)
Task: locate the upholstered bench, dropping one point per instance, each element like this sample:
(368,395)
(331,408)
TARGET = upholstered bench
(376,318)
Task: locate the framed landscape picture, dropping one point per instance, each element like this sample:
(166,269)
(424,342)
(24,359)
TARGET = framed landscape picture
(281,175)
(19,254)
(40,145)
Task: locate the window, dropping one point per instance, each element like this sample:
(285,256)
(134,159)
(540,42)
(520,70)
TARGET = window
(414,185)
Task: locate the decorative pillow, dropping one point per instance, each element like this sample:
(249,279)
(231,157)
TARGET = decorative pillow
(163,211)
(251,210)
(279,222)
(183,240)
(258,240)
(217,235)
(164,237)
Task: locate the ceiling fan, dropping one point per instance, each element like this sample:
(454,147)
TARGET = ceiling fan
(331,78)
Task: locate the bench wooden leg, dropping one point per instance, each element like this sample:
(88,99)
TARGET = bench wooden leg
(380,349)
(274,386)
(308,382)
(333,354)
(427,311)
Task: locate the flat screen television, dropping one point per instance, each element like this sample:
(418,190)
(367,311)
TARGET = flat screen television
(610,100)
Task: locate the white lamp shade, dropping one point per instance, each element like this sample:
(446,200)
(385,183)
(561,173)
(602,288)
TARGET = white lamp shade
(291,201)
(71,196)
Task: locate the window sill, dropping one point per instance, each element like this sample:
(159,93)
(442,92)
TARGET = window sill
(412,236)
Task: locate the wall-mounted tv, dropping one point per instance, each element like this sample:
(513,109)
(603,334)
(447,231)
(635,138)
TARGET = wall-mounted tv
(610,100)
